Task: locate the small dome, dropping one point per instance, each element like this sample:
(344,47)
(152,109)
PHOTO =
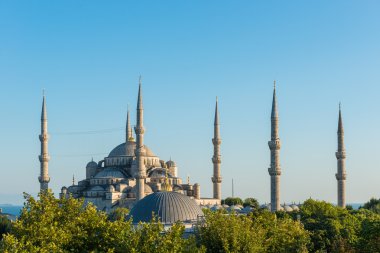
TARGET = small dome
(64,189)
(288,208)
(169,207)
(92,165)
(147,189)
(110,173)
(171,164)
(128,150)
(295,207)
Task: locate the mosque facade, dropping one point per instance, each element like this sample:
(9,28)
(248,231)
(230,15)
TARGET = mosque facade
(132,171)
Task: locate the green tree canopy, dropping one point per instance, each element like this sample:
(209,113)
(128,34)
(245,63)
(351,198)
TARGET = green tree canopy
(5,225)
(373,205)
(252,202)
(232,201)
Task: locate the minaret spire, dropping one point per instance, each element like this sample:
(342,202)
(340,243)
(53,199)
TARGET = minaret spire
(140,149)
(275,146)
(216,159)
(341,157)
(128,128)
(44,158)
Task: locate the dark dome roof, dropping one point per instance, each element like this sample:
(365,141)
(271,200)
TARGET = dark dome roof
(171,164)
(169,207)
(91,165)
(131,147)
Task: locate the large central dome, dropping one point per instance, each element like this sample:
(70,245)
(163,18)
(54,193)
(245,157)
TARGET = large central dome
(169,207)
(130,147)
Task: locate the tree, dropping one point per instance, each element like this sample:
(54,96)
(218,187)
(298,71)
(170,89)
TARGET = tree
(118,214)
(232,201)
(331,228)
(229,233)
(67,225)
(261,231)
(373,205)
(252,202)
(5,225)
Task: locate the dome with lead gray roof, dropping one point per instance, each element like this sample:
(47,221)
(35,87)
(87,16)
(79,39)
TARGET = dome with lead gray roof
(169,207)
(128,149)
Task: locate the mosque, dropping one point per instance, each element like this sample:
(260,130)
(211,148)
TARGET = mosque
(133,176)
(132,170)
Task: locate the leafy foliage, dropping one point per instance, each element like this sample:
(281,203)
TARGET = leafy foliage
(5,226)
(259,232)
(118,214)
(373,205)
(252,202)
(67,225)
(232,201)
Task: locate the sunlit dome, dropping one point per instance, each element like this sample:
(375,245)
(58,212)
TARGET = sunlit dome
(128,150)
(169,207)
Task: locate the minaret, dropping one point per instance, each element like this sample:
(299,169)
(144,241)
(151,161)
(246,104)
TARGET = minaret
(341,156)
(274,146)
(140,149)
(128,129)
(216,159)
(44,158)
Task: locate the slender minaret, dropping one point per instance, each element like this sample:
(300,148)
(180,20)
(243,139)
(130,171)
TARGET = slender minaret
(341,156)
(216,159)
(140,149)
(128,129)
(44,158)
(274,146)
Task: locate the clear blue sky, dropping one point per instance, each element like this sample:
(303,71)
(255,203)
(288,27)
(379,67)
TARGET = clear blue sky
(88,56)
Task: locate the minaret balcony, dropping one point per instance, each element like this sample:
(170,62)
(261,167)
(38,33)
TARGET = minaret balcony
(216,179)
(139,130)
(340,155)
(274,172)
(140,175)
(216,159)
(274,144)
(341,176)
(44,137)
(44,158)
(44,179)
(216,141)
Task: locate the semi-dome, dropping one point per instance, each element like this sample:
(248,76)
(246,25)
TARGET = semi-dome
(130,147)
(169,207)
(110,173)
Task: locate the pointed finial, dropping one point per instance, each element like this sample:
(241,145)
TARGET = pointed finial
(340,121)
(216,119)
(274,102)
(139,97)
(43,113)
(92,159)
